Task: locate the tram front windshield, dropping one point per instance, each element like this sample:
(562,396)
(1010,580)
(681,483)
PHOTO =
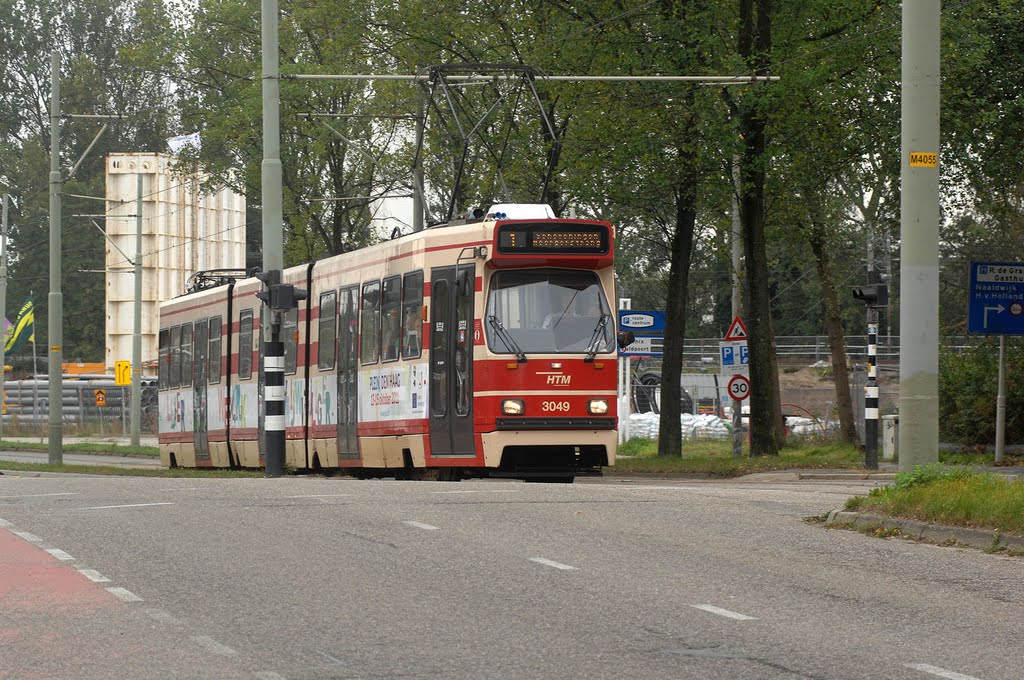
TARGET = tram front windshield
(545,311)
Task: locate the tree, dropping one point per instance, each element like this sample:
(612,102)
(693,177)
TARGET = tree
(752,113)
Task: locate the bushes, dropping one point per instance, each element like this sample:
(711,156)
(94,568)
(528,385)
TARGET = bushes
(968,385)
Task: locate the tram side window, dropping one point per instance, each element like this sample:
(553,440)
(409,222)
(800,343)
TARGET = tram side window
(412,315)
(215,348)
(348,340)
(391,336)
(186,354)
(327,337)
(290,338)
(165,358)
(245,344)
(369,324)
(175,350)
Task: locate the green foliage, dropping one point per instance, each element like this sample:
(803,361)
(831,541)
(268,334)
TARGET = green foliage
(968,386)
(713,457)
(928,474)
(951,497)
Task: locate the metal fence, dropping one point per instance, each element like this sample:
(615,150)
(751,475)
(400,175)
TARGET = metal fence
(89,405)
(705,394)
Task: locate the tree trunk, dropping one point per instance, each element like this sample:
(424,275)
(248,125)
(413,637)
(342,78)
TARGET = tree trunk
(670,437)
(834,327)
(766,424)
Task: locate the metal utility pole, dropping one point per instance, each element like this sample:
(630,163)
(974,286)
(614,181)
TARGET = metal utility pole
(919,229)
(3,307)
(1001,403)
(55,309)
(137,336)
(273,246)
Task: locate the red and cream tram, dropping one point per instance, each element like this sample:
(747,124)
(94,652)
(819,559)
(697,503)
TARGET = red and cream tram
(476,348)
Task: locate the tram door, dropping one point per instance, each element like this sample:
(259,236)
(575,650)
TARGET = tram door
(348,380)
(200,378)
(451,365)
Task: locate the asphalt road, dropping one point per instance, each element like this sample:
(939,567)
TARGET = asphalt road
(310,578)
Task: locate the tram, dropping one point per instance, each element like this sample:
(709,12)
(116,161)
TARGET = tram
(481,347)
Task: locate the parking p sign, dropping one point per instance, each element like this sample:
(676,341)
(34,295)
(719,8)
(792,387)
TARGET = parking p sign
(733,357)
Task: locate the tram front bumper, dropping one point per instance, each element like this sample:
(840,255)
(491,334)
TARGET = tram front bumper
(495,443)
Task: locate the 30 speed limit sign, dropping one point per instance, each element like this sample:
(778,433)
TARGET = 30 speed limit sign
(739,387)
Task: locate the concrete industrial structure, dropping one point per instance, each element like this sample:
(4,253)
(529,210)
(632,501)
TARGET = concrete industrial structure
(185,229)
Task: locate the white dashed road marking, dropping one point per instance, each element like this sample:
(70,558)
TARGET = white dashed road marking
(60,554)
(133,505)
(552,563)
(124,594)
(940,672)
(724,612)
(439,493)
(212,645)
(162,617)
(421,525)
(324,495)
(94,576)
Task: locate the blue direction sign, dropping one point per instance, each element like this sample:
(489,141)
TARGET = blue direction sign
(649,330)
(995,303)
(642,321)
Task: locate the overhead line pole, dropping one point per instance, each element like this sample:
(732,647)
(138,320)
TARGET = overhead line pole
(55,307)
(273,443)
(136,431)
(919,231)
(3,309)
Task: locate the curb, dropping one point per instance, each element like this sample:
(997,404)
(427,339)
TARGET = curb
(983,539)
(883,476)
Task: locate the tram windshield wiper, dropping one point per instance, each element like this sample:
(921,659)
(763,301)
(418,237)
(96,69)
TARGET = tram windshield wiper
(506,337)
(595,339)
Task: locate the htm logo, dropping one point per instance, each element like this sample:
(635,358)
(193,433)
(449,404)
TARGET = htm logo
(559,379)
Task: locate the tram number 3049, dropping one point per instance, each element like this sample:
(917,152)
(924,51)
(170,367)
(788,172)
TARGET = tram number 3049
(560,406)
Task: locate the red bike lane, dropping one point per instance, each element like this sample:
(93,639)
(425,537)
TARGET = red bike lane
(56,624)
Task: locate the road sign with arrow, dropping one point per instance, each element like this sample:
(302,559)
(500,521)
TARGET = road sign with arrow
(995,303)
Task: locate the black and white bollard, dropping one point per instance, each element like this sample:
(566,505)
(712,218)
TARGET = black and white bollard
(273,419)
(871,399)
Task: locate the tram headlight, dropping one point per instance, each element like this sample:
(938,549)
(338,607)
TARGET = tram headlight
(513,407)
(597,407)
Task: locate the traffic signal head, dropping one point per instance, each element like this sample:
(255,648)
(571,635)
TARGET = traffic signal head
(873,295)
(286,296)
(270,279)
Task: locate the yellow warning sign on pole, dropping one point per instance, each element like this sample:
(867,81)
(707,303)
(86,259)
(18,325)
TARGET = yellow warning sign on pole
(101,397)
(123,373)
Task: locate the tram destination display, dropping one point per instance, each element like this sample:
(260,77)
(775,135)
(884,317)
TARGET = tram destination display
(567,238)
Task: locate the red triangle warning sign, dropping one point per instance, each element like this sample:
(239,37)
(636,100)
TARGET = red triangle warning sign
(737,331)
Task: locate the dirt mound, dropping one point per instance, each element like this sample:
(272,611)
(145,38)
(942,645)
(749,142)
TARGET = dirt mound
(803,377)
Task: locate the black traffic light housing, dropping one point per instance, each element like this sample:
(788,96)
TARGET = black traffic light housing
(873,295)
(279,295)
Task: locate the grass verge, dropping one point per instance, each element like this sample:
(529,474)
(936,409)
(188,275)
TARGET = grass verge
(715,458)
(106,449)
(952,496)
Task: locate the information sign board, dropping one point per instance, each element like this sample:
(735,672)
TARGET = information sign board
(645,346)
(733,357)
(123,373)
(648,329)
(640,321)
(995,303)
